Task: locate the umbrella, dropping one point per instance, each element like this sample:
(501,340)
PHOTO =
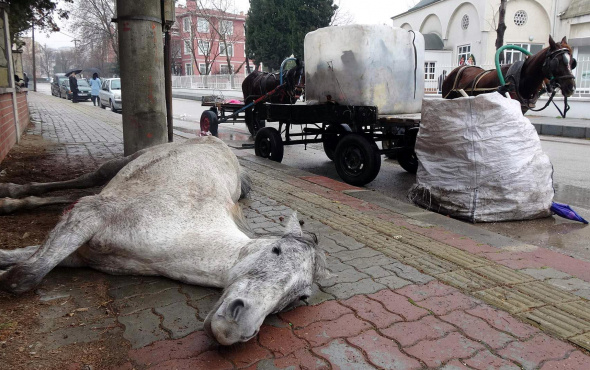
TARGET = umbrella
(68,73)
(566,211)
(92,70)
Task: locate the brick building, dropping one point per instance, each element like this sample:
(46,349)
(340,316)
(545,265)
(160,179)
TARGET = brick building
(208,41)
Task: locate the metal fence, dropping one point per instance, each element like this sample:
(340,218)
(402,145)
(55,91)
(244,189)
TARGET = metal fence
(582,73)
(217,82)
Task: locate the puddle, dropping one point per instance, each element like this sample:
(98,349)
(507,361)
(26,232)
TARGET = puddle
(223,135)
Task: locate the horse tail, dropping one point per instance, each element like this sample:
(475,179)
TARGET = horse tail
(245,185)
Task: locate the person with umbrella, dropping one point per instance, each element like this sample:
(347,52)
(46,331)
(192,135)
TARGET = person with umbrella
(74,87)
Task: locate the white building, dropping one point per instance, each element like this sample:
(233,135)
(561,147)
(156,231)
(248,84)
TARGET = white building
(456,29)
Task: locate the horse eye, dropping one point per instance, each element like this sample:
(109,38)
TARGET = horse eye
(276,250)
(303,297)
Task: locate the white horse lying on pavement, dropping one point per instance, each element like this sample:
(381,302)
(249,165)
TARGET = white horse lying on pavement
(172,210)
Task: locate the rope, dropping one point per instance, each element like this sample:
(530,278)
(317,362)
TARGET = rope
(415,60)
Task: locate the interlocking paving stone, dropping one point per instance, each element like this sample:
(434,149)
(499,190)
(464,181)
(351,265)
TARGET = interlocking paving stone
(408,273)
(503,321)
(432,289)
(531,353)
(371,311)
(393,282)
(205,304)
(80,334)
(377,271)
(436,352)
(570,284)
(546,273)
(280,341)
(410,333)
(575,361)
(179,319)
(399,305)
(344,240)
(507,299)
(346,276)
(556,321)
(334,265)
(142,328)
(448,303)
(503,274)
(487,360)
(383,352)
(347,290)
(461,258)
(141,302)
(359,253)
(432,265)
(546,292)
(305,315)
(478,329)
(320,333)
(364,263)
(342,355)
(465,279)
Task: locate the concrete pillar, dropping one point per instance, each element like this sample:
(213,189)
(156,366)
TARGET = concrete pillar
(142,74)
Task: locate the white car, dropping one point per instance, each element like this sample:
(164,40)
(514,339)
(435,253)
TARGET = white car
(110,94)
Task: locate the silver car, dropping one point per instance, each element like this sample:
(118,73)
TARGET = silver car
(110,94)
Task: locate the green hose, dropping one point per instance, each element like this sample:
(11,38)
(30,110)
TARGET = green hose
(501,49)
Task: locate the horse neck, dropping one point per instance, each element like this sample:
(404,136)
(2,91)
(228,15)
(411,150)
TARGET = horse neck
(531,77)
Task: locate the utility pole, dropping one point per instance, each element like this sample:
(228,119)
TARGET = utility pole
(34,64)
(141,56)
(75,41)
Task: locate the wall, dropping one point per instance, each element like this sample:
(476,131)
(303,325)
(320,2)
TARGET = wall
(7,126)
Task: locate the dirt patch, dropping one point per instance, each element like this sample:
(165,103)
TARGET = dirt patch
(27,337)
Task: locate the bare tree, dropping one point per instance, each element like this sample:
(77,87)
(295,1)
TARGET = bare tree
(219,15)
(46,56)
(201,39)
(91,22)
(501,28)
(341,17)
(64,60)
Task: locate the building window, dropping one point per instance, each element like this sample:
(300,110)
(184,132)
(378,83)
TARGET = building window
(187,46)
(463,53)
(188,68)
(227,27)
(465,22)
(202,68)
(429,68)
(520,18)
(186,24)
(224,70)
(202,25)
(203,47)
(230,50)
(512,56)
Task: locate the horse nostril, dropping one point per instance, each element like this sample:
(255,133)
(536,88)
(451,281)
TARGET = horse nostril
(235,308)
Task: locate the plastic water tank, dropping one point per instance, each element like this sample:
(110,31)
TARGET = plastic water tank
(366,65)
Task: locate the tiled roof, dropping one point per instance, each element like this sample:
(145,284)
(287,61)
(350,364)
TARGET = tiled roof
(421,4)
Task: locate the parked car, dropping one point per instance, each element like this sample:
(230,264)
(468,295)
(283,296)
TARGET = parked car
(110,94)
(83,90)
(56,81)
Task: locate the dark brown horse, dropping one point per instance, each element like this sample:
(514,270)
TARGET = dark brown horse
(550,68)
(259,83)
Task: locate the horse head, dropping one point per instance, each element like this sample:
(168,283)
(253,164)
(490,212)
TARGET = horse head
(270,274)
(296,78)
(558,66)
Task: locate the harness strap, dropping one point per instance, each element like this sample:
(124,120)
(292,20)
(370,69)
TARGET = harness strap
(477,79)
(457,78)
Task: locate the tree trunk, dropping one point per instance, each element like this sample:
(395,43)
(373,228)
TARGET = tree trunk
(501,28)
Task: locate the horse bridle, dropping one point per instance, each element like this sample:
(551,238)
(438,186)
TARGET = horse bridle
(296,90)
(552,62)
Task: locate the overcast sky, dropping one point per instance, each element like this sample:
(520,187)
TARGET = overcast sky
(361,11)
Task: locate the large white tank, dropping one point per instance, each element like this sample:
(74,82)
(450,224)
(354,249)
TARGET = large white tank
(366,65)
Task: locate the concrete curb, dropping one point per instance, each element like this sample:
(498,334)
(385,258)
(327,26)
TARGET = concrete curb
(564,131)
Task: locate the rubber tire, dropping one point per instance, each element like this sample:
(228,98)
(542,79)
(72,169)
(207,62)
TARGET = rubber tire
(250,115)
(269,144)
(408,160)
(100,104)
(112,106)
(355,150)
(213,122)
(330,142)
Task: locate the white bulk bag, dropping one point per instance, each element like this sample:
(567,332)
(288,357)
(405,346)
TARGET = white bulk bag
(480,159)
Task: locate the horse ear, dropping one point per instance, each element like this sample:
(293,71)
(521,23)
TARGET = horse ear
(564,41)
(293,228)
(552,43)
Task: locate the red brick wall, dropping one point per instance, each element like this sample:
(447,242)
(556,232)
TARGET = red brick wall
(7,127)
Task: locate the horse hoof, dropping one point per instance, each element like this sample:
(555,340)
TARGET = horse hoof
(12,190)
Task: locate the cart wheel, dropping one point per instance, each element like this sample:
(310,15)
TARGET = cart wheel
(357,159)
(336,131)
(408,160)
(253,122)
(269,144)
(209,122)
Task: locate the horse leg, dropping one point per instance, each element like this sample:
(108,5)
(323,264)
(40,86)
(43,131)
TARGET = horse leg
(75,228)
(99,177)
(9,205)
(12,257)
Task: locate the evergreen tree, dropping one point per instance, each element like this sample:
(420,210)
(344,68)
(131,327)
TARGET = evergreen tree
(275,29)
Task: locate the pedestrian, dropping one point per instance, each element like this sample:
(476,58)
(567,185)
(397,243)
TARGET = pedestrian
(95,88)
(471,60)
(441,79)
(462,61)
(74,87)
(26,79)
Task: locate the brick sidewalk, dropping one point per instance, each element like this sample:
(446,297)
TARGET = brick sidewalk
(406,294)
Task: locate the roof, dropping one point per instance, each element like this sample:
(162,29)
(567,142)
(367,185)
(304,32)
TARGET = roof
(433,41)
(421,4)
(577,8)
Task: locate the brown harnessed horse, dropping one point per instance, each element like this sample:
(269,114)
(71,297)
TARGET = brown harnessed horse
(259,83)
(549,69)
